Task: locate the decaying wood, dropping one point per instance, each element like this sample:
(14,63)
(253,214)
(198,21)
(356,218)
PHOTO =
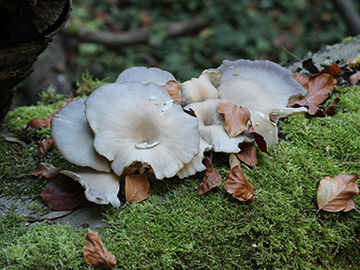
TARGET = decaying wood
(26,29)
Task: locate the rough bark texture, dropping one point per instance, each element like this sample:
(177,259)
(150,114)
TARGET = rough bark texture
(26,29)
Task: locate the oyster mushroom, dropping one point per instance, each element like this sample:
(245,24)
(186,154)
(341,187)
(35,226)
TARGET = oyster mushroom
(211,127)
(202,88)
(100,187)
(196,164)
(135,122)
(145,75)
(74,137)
(264,88)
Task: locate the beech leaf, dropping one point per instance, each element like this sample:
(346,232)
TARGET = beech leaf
(211,178)
(44,147)
(248,154)
(318,89)
(337,194)
(173,88)
(136,187)
(95,253)
(237,185)
(236,118)
(64,194)
(46,170)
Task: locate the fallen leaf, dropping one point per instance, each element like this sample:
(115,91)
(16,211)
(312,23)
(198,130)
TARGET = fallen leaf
(211,178)
(331,110)
(173,88)
(353,79)
(236,118)
(248,154)
(136,187)
(50,216)
(302,79)
(38,123)
(237,185)
(95,253)
(337,194)
(318,90)
(14,140)
(44,147)
(46,170)
(333,70)
(259,140)
(64,194)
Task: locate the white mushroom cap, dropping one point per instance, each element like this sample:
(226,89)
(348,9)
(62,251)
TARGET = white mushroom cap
(74,138)
(100,187)
(196,164)
(264,88)
(202,88)
(211,127)
(145,75)
(136,122)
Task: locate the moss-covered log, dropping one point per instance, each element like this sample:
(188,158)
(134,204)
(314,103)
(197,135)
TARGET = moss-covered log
(26,29)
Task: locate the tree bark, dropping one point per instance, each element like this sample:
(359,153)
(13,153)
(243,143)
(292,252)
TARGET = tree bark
(27,26)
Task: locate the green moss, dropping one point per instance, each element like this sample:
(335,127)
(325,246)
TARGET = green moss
(176,229)
(18,118)
(45,247)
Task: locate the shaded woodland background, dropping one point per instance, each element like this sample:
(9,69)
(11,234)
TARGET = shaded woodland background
(104,37)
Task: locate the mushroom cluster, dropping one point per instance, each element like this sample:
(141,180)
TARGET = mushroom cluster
(140,124)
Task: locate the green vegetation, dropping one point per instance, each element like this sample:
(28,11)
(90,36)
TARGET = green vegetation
(237,29)
(176,229)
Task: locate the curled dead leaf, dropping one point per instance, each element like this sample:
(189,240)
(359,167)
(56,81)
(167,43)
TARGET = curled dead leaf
(237,184)
(318,89)
(46,170)
(248,154)
(136,187)
(173,88)
(236,118)
(211,178)
(44,147)
(63,194)
(337,194)
(95,253)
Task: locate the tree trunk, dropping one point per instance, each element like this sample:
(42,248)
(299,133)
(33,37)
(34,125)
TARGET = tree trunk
(27,26)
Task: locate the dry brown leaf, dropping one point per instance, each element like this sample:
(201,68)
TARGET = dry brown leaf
(44,147)
(46,170)
(353,79)
(173,88)
(248,154)
(331,110)
(318,89)
(64,194)
(333,70)
(211,178)
(337,194)
(136,187)
(95,252)
(236,118)
(237,185)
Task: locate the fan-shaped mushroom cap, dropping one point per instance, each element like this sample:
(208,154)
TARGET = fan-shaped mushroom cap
(195,165)
(211,127)
(100,187)
(134,122)
(145,75)
(74,138)
(264,88)
(202,88)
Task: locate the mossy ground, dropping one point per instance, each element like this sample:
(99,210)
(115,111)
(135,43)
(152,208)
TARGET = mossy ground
(176,229)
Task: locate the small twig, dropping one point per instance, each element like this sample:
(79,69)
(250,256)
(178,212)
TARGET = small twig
(293,55)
